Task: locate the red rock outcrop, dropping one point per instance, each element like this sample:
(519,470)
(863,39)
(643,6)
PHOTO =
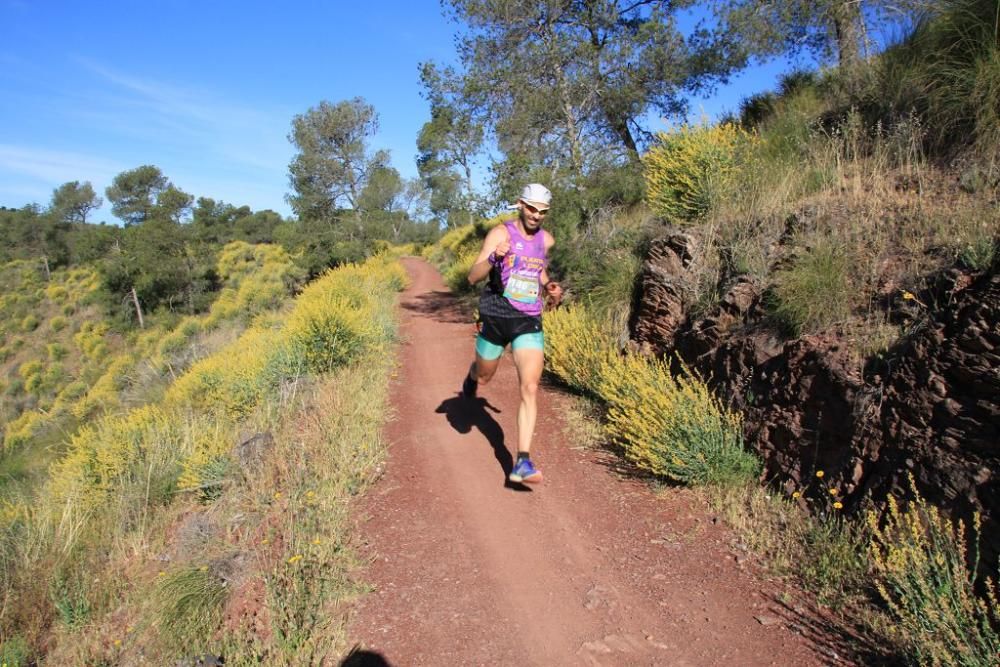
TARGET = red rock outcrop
(929,407)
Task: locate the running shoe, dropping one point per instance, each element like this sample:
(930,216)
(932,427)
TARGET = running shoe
(524,471)
(469,387)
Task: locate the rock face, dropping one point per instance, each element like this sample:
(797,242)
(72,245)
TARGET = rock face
(930,407)
(660,308)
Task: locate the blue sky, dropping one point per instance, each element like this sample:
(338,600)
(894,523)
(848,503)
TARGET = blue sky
(206,91)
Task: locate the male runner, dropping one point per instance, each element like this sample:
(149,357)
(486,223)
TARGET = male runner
(514,256)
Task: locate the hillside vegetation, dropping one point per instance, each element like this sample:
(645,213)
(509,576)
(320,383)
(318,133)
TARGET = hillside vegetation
(182,512)
(844,195)
(189,402)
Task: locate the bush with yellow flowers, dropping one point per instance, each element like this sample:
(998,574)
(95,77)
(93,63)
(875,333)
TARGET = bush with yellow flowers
(103,395)
(688,170)
(672,425)
(923,572)
(577,346)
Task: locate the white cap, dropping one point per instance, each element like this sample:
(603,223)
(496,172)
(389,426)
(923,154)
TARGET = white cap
(537,195)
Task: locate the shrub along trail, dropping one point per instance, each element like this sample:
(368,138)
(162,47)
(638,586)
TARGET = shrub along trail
(589,568)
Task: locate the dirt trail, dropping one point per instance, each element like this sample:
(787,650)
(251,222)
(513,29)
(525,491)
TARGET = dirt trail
(588,568)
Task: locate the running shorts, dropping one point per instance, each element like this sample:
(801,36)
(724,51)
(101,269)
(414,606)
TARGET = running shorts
(518,332)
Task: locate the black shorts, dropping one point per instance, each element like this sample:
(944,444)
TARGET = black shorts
(503,330)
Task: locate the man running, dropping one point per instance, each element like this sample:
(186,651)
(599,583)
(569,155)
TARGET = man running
(514,256)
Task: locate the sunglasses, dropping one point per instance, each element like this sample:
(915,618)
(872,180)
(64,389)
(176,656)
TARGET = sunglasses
(532,209)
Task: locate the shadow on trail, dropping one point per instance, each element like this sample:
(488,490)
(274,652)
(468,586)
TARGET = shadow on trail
(362,658)
(837,642)
(465,414)
(440,307)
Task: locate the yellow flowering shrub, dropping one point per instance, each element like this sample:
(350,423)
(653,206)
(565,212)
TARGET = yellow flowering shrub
(576,346)
(456,275)
(20,431)
(923,572)
(233,380)
(688,170)
(103,396)
(207,462)
(455,240)
(29,323)
(103,454)
(56,292)
(672,426)
(261,277)
(90,340)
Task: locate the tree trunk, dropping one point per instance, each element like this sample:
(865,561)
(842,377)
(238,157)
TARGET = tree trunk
(620,127)
(848,25)
(138,308)
(48,273)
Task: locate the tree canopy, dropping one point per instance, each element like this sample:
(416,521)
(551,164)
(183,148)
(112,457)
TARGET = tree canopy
(568,83)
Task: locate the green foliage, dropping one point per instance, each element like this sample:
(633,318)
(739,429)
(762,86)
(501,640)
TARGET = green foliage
(71,603)
(14,651)
(133,194)
(331,165)
(672,425)
(56,351)
(189,607)
(689,170)
(537,97)
(72,202)
(979,253)
(948,70)
(29,323)
(816,291)
(924,575)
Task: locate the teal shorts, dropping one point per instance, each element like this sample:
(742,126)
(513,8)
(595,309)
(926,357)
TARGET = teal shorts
(526,341)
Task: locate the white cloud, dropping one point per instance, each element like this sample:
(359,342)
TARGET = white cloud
(190,117)
(56,167)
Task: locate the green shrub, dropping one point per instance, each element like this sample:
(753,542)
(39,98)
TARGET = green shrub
(56,351)
(948,69)
(189,607)
(815,292)
(73,391)
(71,604)
(690,169)
(576,347)
(924,574)
(15,652)
(30,368)
(673,426)
(978,253)
(29,323)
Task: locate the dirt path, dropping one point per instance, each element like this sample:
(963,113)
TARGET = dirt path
(588,568)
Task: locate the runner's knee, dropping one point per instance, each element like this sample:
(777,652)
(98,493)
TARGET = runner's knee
(529,389)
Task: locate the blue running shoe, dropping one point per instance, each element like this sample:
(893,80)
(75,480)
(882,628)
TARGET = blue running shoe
(524,471)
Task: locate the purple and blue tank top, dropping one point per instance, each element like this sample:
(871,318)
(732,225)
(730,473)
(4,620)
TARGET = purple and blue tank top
(520,275)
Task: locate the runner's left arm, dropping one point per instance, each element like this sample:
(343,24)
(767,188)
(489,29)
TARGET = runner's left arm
(553,288)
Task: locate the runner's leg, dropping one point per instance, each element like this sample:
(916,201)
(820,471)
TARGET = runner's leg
(483,370)
(529,362)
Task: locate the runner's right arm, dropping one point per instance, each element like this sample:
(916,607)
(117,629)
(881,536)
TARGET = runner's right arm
(496,244)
